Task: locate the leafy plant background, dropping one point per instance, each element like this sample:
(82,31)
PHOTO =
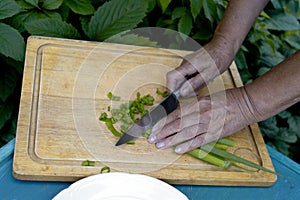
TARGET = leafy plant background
(274,36)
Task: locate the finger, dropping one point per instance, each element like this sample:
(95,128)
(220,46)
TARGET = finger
(198,141)
(193,105)
(192,86)
(177,76)
(182,136)
(189,112)
(181,126)
(202,139)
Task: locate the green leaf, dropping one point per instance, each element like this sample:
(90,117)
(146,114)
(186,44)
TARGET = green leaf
(262,70)
(292,38)
(8,8)
(241,60)
(25,5)
(178,12)
(293,7)
(151,5)
(196,6)
(51,4)
(8,82)
(52,27)
(114,17)
(84,21)
(34,3)
(132,39)
(20,19)
(6,109)
(268,56)
(282,147)
(202,35)
(286,135)
(278,4)
(64,11)
(185,24)
(269,127)
(163,4)
(11,42)
(13,64)
(82,7)
(8,131)
(282,22)
(210,11)
(284,114)
(294,124)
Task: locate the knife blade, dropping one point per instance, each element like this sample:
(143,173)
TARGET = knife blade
(157,113)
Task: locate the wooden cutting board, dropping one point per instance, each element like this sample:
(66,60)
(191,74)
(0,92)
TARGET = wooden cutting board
(64,91)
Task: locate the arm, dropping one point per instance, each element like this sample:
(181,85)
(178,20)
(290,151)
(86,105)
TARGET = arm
(229,35)
(236,23)
(276,90)
(268,95)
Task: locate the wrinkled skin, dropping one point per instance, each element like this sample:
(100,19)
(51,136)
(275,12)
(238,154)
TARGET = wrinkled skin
(206,119)
(214,59)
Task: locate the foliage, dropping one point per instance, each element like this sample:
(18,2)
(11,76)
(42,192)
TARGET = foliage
(274,36)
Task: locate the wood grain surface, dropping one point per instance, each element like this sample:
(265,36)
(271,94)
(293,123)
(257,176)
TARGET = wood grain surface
(64,90)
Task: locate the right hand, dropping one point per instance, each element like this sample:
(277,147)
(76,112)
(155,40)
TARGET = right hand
(204,120)
(210,61)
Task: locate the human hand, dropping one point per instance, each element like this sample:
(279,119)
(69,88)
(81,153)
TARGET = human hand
(209,61)
(204,120)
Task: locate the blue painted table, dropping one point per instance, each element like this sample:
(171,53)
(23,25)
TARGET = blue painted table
(286,187)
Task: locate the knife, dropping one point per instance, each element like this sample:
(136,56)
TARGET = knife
(155,114)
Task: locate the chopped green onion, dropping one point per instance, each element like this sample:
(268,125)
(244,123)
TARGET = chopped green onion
(163,94)
(207,157)
(110,126)
(221,146)
(131,142)
(88,163)
(113,97)
(227,142)
(105,169)
(233,158)
(103,117)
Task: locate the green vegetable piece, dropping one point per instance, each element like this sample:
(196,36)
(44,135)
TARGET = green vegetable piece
(110,126)
(227,142)
(105,169)
(221,146)
(113,97)
(85,163)
(131,142)
(147,133)
(207,157)
(231,157)
(163,94)
(103,117)
(147,100)
(88,163)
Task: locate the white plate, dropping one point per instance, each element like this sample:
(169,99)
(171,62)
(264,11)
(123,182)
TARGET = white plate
(120,186)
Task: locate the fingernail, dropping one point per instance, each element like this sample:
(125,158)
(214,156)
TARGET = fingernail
(160,144)
(178,150)
(151,138)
